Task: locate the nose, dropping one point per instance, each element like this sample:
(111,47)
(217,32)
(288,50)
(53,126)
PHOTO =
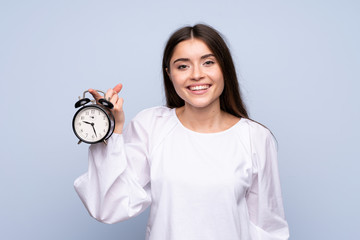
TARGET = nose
(197,73)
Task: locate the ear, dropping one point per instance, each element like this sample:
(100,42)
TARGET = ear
(168,72)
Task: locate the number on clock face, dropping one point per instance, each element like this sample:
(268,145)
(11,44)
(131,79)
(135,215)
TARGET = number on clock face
(91,124)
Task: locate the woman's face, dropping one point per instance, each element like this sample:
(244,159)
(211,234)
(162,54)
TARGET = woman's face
(196,74)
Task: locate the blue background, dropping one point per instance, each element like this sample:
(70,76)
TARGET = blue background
(298,63)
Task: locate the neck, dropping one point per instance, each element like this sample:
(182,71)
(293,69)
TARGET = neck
(204,120)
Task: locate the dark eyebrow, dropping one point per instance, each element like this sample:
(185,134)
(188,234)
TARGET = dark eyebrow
(187,59)
(208,55)
(181,59)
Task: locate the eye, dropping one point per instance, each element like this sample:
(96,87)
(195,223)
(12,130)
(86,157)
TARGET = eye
(209,62)
(180,67)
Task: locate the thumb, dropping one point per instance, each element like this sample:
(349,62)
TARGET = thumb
(95,94)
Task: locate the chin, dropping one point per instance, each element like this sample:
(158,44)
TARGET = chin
(201,104)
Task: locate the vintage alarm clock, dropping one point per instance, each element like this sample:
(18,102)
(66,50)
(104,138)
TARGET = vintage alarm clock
(93,123)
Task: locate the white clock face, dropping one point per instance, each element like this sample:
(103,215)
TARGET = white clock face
(91,124)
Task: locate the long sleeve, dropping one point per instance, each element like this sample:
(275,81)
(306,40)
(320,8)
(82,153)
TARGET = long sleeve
(264,200)
(117,184)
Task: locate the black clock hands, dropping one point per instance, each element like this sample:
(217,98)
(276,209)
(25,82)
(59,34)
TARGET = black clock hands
(94,129)
(92,124)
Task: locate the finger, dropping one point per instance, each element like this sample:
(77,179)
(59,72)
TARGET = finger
(118,88)
(114,99)
(95,94)
(109,94)
(119,104)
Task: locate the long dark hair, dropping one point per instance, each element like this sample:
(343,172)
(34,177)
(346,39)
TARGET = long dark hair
(230,99)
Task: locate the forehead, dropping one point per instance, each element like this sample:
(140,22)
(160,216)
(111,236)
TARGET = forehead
(191,48)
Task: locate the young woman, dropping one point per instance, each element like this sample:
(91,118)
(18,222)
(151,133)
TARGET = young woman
(207,171)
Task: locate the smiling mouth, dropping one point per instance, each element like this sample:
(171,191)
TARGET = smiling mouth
(199,87)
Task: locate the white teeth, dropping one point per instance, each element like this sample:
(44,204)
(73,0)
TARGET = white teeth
(197,88)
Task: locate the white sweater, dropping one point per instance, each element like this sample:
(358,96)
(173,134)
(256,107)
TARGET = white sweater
(200,186)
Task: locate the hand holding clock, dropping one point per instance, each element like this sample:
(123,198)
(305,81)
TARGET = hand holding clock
(117,111)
